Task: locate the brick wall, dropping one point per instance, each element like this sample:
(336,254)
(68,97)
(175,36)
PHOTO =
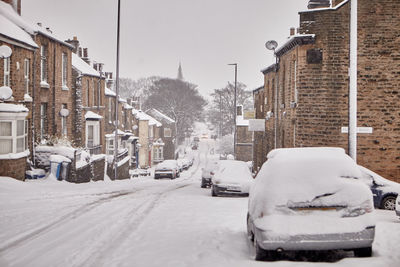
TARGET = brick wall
(98,169)
(14,168)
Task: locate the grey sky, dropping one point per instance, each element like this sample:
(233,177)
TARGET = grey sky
(205,35)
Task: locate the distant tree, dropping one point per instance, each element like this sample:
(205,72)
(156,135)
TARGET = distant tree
(136,88)
(220,113)
(179,100)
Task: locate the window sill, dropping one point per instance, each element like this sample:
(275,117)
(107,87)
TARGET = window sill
(44,84)
(64,88)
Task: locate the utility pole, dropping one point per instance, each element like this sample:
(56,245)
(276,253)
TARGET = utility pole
(352,135)
(117,96)
(234,110)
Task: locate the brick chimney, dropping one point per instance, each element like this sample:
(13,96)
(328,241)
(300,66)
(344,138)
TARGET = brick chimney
(86,56)
(16,4)
(75,43)
(109,80)
(292,31)
(312,4)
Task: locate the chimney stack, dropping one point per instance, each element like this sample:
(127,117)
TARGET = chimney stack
(313,4)
(292,31)
(75,43)
(86,56)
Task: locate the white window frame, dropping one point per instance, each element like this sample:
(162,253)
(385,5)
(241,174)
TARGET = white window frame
(110,147)
(43,115)
(151,133)
(6,72)
(64,71)
(43,65)
(166,130)
(26,74)
(96,133)
(14,137)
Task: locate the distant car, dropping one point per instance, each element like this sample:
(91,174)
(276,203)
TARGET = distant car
(310,199)
(384,191)
(167,169)
(207,173)
(232,177)
(194,146)
(398,205)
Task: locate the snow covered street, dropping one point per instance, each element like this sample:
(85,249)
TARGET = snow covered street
(144,222)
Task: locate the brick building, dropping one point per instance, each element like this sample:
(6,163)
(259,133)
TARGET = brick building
(311,104)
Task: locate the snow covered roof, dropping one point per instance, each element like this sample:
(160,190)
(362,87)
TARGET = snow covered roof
(92,115)
(297,39)
(122,100)
(113,133)
(157,113)
(31,28)
(326,8)
(84,68)
(127,106)
(140,115)
(109,92)
(11,30)
(5,107)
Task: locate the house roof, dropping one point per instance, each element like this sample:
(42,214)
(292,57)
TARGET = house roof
(10,30)
(109,92)
(31,28)
(142,116)
(92,115)
(293,41)
(269,69)
(258,88)
(5,107)
(325,8)
(160,115)
(81,66)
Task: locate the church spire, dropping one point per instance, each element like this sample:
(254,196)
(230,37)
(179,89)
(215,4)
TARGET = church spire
(180,75)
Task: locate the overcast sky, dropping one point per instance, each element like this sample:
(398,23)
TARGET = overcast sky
(204,35)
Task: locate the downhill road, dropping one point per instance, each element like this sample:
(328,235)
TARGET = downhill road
(144,222)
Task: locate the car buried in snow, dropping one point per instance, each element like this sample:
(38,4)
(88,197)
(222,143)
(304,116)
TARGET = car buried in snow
(167,169)
(384,191)
(231,178)
(207,173)
(310,199)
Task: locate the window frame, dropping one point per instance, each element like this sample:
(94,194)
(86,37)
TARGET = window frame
(27,63)
(64,71)
(43,65)
(7,72)
(14,137)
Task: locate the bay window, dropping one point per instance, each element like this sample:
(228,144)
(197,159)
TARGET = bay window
(13,136)
(6,72)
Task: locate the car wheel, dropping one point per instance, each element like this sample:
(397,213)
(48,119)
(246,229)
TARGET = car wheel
(203,185)
(213,193)
(261,254)
(363,252)
(389,203)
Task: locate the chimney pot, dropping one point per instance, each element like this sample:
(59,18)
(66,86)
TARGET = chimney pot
(85,53)
(292,31)
(39,24)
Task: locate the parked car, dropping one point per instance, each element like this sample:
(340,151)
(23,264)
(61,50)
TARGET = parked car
(167,169)
(207,173)
(184,163)
(232,177)
(384,191)
(194,146)
(398,205)
(310,199)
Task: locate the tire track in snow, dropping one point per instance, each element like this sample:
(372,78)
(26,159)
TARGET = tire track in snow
(31,235)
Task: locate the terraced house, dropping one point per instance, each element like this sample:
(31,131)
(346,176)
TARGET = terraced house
(305,95)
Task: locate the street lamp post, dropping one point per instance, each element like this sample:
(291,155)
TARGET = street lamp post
(117,96)
(234,110)
(353,83)
(272,45)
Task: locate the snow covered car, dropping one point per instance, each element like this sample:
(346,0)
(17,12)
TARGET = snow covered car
(207,173)
(184,163)
(384,191)
(398,205)
(310,199)
(232,177)
(167,169)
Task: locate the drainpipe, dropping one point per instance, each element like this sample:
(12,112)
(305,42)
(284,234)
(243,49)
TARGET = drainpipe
(352,135)
(53,108)
(33,106)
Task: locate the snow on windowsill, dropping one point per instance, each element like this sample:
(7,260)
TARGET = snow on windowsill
(65,88)
(44,84)
(5,107)
(15,155)
(27,98)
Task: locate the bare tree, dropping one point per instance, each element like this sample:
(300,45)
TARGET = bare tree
(136,88)
(220,113)
(179,100)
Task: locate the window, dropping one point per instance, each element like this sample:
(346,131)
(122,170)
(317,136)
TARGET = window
(151,134)
(99,93)
(87,92)
(92,134)
(26,75)
(64,129)
(93,93)
(43,64)
(110,146)
(296,93)
(7,72)
(167,132)
(13,136)
(314,56)
(43,120)
(64,73)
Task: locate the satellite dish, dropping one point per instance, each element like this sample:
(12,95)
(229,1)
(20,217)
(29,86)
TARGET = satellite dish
(5,51)
(271,45)
(5,93)
(64,112)
(134,127)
